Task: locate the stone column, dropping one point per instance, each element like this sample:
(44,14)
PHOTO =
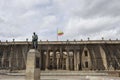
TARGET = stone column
(61,58)
(17,58)
(67,60)
(21,52)
(62,61)
(75,60)
(40,59)
(57,63)
(78,60)
(24,51)
(47,60)
(71,63)
(4,59)
(54,59)
(11,58)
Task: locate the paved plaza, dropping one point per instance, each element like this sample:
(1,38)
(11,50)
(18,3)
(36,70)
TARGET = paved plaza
(5,77)
(59,75)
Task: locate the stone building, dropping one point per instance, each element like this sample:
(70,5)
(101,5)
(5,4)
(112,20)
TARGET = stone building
(63,55)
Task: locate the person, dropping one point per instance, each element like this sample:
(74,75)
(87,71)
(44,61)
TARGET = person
(34,41)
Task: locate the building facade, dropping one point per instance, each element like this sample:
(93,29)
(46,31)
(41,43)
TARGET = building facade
(63,55)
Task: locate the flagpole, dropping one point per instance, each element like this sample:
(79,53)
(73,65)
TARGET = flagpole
(57,33)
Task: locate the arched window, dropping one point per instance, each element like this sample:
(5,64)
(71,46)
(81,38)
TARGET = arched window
(86,53)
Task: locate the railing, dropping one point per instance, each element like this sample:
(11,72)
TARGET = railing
(63,42)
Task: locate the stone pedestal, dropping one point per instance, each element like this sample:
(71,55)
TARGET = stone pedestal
(33,65)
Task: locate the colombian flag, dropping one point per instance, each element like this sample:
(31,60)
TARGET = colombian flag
(60,33)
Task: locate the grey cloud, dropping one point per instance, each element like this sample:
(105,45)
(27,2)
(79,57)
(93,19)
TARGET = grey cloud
(6,35)
(99,17)
(99,8)
(2,20)
(93,27)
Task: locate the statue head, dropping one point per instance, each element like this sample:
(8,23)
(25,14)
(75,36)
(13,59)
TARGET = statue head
(34,33)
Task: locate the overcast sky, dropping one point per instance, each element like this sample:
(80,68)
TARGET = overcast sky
(78,19)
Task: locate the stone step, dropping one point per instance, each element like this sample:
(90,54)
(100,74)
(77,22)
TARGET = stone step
(64,73)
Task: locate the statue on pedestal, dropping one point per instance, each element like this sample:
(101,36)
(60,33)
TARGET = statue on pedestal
(34,41)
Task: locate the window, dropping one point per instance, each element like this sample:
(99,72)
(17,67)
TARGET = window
(51,59)
(86,64)
(86,53)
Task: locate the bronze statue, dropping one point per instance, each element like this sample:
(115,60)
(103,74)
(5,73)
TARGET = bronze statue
(34,41)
